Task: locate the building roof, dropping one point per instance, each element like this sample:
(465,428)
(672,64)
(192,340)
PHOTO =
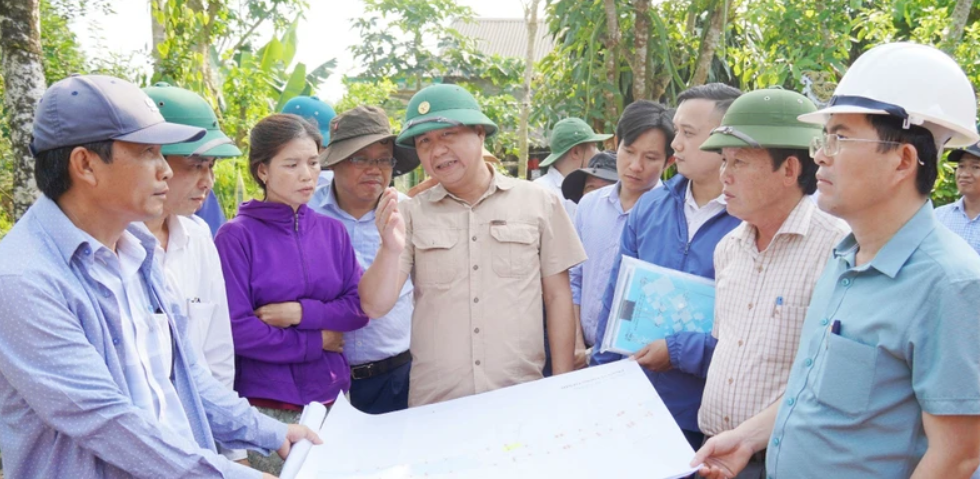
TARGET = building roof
(506,37)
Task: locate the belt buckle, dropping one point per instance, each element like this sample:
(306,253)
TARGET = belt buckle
(355,371)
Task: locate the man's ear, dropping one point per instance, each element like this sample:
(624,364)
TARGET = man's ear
(82,168)
(792,169)
(908,162)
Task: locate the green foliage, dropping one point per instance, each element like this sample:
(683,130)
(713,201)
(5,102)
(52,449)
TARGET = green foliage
(394,35)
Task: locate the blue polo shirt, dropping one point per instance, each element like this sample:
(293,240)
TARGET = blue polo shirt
(909,343)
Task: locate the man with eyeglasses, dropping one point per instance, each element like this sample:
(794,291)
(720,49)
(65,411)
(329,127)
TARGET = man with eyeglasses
(484,251)
(963,216)
(886,381)
(363,157)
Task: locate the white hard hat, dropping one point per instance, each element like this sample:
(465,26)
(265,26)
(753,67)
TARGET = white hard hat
(917,83)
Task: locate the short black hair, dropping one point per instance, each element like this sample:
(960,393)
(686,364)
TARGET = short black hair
(643,115)
(807,181)
(51,166)
(890,128)
(723,95)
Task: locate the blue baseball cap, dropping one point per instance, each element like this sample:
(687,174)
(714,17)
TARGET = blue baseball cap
(88,108)
(313,110)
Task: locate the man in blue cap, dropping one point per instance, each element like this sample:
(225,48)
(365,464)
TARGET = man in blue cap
(320,114)
(98,378)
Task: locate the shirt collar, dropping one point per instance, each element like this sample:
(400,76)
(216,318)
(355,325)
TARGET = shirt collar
(689,199)
(797,223)
(555,176)
(899,248)
(67,238)
(178,237)
(497,182)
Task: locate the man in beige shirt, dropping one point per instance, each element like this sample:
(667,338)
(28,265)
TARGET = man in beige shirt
(766,268)
(483,250)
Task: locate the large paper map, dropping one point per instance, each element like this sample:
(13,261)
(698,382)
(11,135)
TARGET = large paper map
(652,302)
(605,421)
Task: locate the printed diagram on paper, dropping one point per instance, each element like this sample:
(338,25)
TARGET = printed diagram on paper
(604,421)
(652,302)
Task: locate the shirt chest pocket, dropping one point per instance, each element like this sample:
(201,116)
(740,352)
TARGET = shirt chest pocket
(514,249)
(198,321)
(847,378)
(435,261)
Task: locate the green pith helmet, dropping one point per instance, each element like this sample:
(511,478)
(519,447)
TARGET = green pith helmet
(765,119)
(441,106)
(185,107)
(567,134)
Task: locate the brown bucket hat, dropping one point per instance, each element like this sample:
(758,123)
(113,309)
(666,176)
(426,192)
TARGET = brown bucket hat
(359,127)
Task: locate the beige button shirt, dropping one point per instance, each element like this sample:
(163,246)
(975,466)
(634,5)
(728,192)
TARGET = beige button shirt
(760,303)
(478,324)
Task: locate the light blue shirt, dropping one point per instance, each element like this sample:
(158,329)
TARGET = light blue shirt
(63,392)
(908,343)
(954,217)
(386,336)
(599,222)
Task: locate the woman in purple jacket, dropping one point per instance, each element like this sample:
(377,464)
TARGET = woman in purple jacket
(291,277)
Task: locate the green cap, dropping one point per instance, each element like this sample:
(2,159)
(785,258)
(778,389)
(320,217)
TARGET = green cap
(185,107)
(441,106)
(765,119)
(566,134)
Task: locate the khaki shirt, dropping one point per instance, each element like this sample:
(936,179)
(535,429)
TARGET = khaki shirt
(478,322)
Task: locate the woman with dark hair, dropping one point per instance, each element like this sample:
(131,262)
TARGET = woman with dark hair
(291,277)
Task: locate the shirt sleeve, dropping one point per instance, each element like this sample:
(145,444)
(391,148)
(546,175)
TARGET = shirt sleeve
(560,246)
(344,312)
(47,358)
(627,247)
(219,348)
(944,349)
(234,423)
(252,337)
(691,352)
(575,274)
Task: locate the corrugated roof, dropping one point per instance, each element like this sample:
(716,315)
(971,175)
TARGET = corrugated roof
(506,37)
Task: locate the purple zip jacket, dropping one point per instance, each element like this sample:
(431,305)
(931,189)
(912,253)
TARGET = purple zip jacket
(271,255)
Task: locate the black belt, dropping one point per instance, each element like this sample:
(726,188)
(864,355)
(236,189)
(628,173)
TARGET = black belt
(370,370)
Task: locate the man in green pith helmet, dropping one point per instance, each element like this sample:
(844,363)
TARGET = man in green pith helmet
(483,250)
(573,144)
(188,255)
(773,258)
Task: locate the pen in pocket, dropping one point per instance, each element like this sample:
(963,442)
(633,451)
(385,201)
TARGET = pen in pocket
(778,307)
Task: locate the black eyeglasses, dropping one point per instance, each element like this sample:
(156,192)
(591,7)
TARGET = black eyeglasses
(364,163)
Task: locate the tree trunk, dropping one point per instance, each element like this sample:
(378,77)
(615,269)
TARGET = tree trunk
(23,76)
(159,30)
(957,23)
(706,52)
(641,38)
(531,17)
(611,42)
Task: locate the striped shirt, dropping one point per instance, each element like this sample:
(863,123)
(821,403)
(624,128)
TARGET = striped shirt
(953,216)
(761,300)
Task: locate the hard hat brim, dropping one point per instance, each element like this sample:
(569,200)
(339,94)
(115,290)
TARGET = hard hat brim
(960,138)
(225,150)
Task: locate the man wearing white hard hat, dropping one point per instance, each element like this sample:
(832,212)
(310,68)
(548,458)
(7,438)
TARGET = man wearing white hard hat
(886,381)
